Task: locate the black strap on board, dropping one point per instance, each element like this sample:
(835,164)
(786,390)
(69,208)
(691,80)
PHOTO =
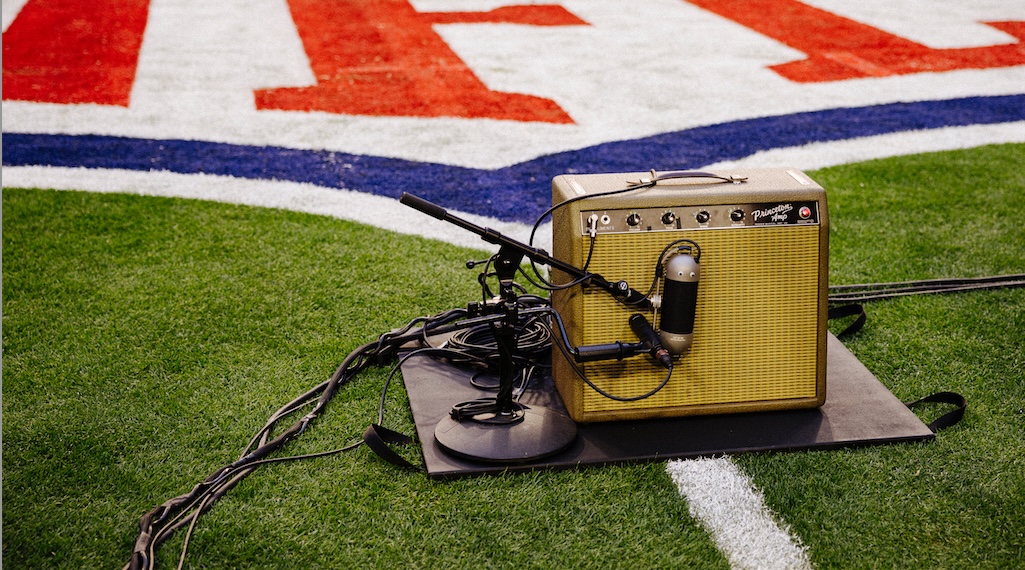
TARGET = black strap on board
(948,419)
(841,311)
(377,439)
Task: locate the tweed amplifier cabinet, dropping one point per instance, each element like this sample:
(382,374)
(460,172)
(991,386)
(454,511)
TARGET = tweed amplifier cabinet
(759,322)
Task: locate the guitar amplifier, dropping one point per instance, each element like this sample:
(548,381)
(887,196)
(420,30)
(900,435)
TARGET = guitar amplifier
(759,322)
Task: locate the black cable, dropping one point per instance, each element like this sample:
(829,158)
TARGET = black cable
(228,485)
(533,344)
(157,525)
(532,338)
(659,267)
(547,285)
(398,365)
(537,223)
(561,341)
(565,353)
(877,291)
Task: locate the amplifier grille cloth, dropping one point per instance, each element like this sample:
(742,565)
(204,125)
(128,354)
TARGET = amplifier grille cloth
(755,330)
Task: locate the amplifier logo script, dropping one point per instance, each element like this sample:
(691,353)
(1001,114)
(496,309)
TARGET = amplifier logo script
(785,213)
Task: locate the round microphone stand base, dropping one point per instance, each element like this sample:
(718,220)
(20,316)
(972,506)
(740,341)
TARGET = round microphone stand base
(527,434)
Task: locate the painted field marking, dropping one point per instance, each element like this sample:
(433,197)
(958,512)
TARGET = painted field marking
(727,504)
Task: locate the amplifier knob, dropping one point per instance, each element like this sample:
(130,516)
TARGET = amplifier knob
(668,218)
(737,215)
(702,217)
(633,219)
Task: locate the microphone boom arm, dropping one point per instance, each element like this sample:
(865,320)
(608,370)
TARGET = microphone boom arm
(619,289)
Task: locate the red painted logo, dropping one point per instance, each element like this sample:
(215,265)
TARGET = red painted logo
(383,58)
(70,51)
(839,48)
(392,62)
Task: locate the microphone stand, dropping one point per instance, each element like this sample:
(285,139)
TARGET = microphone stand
(507,262)
(501,430)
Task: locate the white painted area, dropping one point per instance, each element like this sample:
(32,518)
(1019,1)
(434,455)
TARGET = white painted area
(939,24)
(10,9)
(727,504)
(200,62)
(470,5)
(821,155)
(636,70)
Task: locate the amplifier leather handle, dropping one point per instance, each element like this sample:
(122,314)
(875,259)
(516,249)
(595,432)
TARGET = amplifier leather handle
(678,174)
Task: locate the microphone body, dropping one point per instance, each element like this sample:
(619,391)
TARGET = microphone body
(617,350)
(679,301)
(642,328)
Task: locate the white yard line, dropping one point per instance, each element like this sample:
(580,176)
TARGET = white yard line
(727,504)
(825,154)
(379,211)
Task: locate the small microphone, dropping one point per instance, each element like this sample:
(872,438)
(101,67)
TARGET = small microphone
(642,328)
(617,350)
(679,301)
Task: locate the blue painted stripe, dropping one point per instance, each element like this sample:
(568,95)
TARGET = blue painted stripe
(515,193)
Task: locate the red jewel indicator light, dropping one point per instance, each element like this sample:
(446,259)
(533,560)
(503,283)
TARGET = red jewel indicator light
(804,212)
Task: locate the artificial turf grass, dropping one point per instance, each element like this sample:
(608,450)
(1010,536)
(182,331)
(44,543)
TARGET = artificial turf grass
(936,215)
(146,340)
(586,519)
(148,354)
(958,501)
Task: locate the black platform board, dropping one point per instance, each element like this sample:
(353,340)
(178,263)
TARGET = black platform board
(858,411)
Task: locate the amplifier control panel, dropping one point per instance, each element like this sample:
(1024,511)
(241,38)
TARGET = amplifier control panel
(698,217)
